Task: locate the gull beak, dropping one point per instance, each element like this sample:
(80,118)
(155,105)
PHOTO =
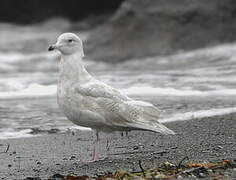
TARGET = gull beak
(52,47)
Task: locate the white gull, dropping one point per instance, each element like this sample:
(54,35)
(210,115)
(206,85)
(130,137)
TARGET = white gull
(91,103)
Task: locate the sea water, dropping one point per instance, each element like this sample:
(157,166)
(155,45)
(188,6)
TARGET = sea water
(187,85)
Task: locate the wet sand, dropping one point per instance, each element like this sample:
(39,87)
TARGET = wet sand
(201,140)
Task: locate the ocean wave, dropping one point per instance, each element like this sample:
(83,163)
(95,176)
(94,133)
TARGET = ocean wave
(156,91)
(37,90)
(10,133)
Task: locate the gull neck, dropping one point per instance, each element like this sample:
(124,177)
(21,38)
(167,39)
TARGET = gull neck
(72,69)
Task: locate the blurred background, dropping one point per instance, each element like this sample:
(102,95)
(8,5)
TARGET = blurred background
(180,55)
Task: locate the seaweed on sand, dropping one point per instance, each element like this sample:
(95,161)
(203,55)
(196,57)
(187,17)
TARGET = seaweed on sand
(166,171)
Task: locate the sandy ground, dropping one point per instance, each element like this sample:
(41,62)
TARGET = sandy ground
(201,140)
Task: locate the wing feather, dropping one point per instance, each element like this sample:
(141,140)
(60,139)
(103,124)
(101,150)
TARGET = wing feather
(100,90)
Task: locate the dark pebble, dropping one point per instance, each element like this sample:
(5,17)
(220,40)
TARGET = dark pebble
(72,157)
(32,178)
(57,177)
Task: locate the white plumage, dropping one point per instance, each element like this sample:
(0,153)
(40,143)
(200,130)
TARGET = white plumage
(91,103)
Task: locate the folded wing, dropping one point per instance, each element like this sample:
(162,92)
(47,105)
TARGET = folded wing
(121,110)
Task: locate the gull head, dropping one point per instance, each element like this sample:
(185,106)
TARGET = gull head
(68,44)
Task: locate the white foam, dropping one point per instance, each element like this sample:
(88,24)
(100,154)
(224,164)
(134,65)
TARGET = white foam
(199,114)
(34,90)
(78,128)
(15,134)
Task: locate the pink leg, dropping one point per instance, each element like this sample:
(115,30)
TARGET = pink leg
(95,148)
(107,145)
(96,145)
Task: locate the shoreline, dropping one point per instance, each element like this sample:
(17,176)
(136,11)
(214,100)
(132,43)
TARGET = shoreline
(201,140)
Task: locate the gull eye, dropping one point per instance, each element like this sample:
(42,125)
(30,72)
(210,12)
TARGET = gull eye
(70,40)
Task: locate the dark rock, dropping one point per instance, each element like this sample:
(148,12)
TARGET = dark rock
(29,11)
(53,131)
(32,178)
(57,177)
(142,28)
(72,157)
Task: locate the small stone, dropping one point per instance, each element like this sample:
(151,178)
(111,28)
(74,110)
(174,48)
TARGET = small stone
(53,131)
(158,176)
(179,177)
(202,175)
(209,170)
(9,165)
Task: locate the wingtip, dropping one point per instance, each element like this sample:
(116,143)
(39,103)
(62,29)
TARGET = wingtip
(166,130)
(159,128)
(170,132)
